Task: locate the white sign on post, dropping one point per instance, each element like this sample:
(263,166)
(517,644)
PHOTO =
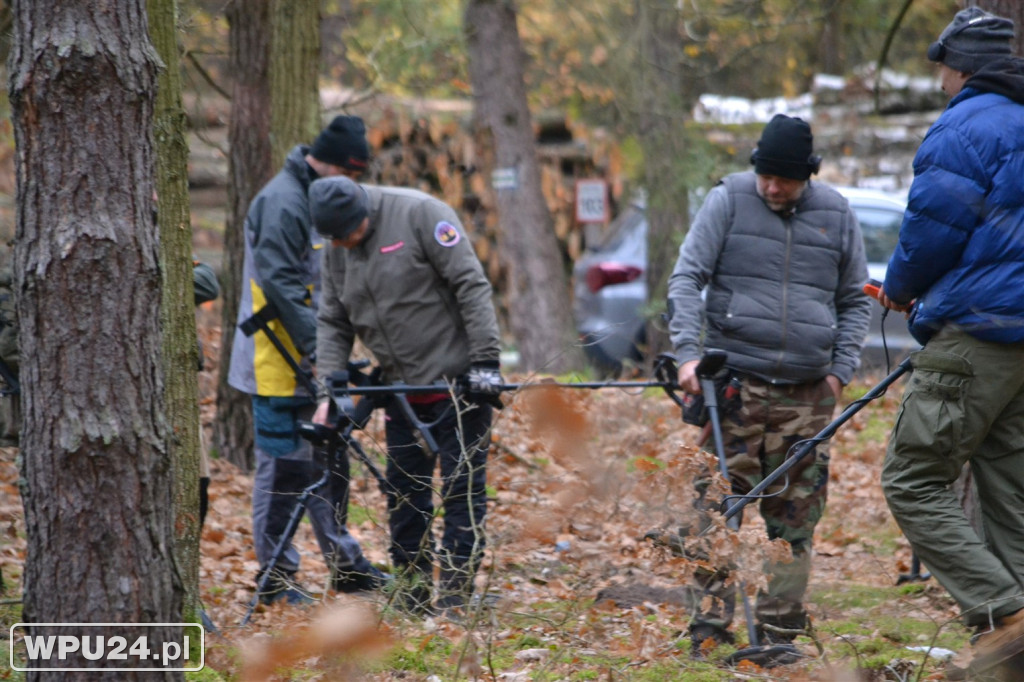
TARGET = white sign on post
(591,201)
(505,178)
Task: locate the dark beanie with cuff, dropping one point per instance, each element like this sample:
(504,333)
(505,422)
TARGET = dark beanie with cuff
(343,144)
(785,149)
(973,39)
(337,206)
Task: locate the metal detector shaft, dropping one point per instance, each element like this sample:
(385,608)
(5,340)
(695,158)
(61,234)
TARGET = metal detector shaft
(394,389)
(706,369)
(286,536)
(260,322)
(808,446)
(417,423)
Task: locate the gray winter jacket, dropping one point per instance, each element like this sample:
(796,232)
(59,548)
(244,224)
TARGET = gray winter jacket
(413,291)
(784,296)
(282,267)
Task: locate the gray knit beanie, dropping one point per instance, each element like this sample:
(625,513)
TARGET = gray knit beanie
(337,206)
(972,40)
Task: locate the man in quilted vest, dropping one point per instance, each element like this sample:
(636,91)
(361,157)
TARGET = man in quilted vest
(782,262)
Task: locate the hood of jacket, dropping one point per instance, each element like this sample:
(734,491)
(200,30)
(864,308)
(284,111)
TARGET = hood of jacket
(1001,76)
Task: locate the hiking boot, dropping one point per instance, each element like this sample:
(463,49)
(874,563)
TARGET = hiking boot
(705,637)
(365,581)
(280,586)
(999,645)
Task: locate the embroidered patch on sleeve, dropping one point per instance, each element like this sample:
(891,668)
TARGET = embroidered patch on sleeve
(446,235)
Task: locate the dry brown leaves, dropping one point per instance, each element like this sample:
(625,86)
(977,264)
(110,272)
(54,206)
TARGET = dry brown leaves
(580,477)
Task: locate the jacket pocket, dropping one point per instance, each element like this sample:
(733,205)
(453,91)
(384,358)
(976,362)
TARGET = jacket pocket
(930,423)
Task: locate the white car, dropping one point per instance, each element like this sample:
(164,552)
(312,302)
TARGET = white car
(610,287)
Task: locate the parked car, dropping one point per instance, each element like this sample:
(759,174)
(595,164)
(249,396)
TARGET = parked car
(610,288)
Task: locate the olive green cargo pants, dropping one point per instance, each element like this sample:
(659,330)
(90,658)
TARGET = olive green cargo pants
(964,403)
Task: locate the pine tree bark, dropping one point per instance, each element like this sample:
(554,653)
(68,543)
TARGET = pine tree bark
(540,314)
(250,167)
(1011,9)
(97,475)
(178,320)
(294,87)
(661,91)
(275,52)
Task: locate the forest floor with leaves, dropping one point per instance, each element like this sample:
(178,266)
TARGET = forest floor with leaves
(576,480)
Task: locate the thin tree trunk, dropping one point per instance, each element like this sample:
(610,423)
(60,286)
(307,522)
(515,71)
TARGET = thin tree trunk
(539,310)
(1011,9)
(660,90)
(178,318)
(250,167)
(97,476)
(294,87)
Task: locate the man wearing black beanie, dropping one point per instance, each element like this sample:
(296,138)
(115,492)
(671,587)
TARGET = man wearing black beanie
(782,261)
(281,280)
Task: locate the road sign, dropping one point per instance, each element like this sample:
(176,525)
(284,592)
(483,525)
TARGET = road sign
(591,201)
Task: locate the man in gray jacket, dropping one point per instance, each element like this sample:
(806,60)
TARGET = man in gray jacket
(280,282)
(402,276)
(782,262)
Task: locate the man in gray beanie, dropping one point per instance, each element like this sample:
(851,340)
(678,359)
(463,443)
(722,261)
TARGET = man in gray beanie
(972,40)
(957,269)
(280,283)
(402,276)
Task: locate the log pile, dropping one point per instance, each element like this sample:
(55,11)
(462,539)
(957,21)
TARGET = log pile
(437,152)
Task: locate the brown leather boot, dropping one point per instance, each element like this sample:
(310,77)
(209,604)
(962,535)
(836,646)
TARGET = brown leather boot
(999,645)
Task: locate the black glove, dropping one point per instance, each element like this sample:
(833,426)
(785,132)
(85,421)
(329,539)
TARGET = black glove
(484,382)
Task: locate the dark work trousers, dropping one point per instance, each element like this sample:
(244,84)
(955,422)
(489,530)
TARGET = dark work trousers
(462,432)
(285,466)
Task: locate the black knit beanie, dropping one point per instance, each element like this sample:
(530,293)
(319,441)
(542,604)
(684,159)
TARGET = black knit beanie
(972,40)
(786,149)
(337,206)
(343,143)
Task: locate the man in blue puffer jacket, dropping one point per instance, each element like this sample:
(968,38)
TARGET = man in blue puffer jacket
(961,258)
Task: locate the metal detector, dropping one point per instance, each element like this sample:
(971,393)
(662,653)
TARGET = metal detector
(260,321)
(326,442)
(766,655)
(805,447)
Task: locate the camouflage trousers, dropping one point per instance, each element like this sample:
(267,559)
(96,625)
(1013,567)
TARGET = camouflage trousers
(759,427)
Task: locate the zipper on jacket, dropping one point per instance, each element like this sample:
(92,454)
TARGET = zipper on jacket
(784,321)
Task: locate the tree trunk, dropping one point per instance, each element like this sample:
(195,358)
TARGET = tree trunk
(250,167)
(660,89)
(1011,9)
(294,87)
(178,320)
(830,46)
(97,476)
(539,310)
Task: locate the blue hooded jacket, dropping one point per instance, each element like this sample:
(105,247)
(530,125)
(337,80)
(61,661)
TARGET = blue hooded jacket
(961,245)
